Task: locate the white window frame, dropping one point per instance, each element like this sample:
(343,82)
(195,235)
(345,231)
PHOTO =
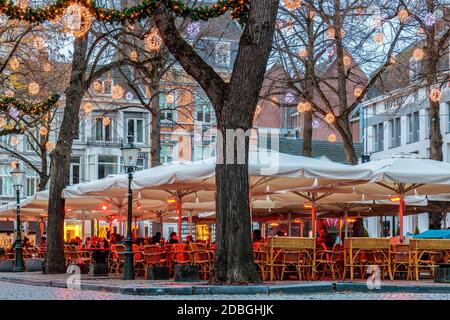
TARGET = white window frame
(116,164)
(135,135)
(111,135)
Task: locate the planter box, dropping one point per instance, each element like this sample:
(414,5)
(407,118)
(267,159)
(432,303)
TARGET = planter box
(442,274)
(6,265)
(32,265)
(98,269)
(186,273)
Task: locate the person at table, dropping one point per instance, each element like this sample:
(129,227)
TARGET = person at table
(173,239)
(26,243)
(103,243)
(43,246)
(157,238)
(324,239)
(256,236)
(189,239)
(87,243)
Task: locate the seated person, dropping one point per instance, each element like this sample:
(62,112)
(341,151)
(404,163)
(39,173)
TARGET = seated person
(189,239)
(173,238)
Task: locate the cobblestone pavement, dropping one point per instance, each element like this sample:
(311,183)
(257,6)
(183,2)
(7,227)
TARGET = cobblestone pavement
(14,291)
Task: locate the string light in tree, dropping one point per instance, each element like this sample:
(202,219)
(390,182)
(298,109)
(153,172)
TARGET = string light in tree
(331,33)
(435,95)
(332,138)
(43,131)
(33,88)
(303,53)
(77,20)
(22,4)
(153,40)
(14,164)
(2,122)
(304,107)
(134,55)
(392,60)
(47,67)
(403,15)
(14,63)
(379,38)
(117,92)
(49,146)
(418,54)
(88,108)
(292,4)
(39,43)
(347,60)
(129,96)
(330,118)
(289,98)
(358,92)
(106,121)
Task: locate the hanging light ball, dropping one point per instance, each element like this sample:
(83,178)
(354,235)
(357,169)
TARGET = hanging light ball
(379,38)
(435,95)
(77,20)
(332,138)
(43,131)
(106,121)
(331,33)
(330,118)
(49,146)
(418,54)
(33,88)
(47,67)
(39,43)
(153,40)
(14,63)
(129,96)
(358,92)
(14,164)
(117,92)
(2,122)
(134,55)
(347,60)
(88,108)
(392,60)
(292,4)
(14,141)
(403,15)
(303,53)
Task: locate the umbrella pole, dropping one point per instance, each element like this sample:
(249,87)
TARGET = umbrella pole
(190,222)
(346,222)
(402,211)
(289,223)
(313,220)
(179,208)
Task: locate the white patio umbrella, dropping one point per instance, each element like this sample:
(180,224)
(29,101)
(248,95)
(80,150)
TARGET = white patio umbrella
(406,174)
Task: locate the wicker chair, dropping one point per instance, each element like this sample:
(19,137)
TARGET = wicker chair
(401,261)
(329,261)
(202,258)
(260,256)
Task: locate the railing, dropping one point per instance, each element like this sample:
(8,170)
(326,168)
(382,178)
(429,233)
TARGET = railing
(112,143)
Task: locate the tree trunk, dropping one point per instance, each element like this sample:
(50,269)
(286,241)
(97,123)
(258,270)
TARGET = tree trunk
(343,126)
(307,134)
(155,135)
(60,161)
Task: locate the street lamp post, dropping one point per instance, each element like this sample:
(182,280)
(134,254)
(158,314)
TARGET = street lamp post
(129,155)
(17,177)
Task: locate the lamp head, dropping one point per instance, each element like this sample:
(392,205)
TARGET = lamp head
(130,154)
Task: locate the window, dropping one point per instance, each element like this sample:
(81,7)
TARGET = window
(167,152)
(395,133)
(103,85)
(378,137)
(427,123)
(222,55)
(77,130)
(413,127)
(168,109)
(31,186)
(102,132)
(74,177)
(6,186)
(448,116)
(106,165)
(135,128)
(204,112)
(202,152)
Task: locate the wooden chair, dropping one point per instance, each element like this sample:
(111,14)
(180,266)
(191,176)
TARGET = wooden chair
(307,246)
(328,261)
(153,257)
(426,253)
(260,256)
(201,257)
(181,255)
(295,260)
(364,252)
(119,259)
(401,262)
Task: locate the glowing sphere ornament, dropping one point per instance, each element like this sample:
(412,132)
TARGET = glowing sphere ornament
(88,108)
(129,96)
(315,124)
(289,98)
(47,67)
(43,131)
(33,88)
(332,138)
(14,63)
(153,40)
(403,15)
(117,92)
(330,118)
(303,53)
(347,60)
(379,38)
(357,92)
(77,20)
(22,4)
(134,55)
(49,146)
(418,54)
(435,95)
(39,43)
(106,121)
(292,4)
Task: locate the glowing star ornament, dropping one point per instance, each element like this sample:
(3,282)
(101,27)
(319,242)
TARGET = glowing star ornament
(332,138)
(77,20)
(49,146)
(292,4)
(153,40)
(418,54)
(315,124)
(106,121)
(330,118)
(117,92)
(88,108)
(435,95)
(129,96)
(403,15)
(430,20)
(379,38)
(39,43)
(33,88)
(43,131)
(289,98)
(357,92)
(303,53)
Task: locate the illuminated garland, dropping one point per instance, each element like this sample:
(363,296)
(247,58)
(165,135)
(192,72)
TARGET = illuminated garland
(29,108)
(239,10)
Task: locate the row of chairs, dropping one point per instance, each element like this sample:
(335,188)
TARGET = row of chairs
(72,254)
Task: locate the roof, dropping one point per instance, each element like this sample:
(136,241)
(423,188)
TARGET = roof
(320,148)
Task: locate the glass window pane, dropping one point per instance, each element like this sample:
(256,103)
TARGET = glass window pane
(140,130)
